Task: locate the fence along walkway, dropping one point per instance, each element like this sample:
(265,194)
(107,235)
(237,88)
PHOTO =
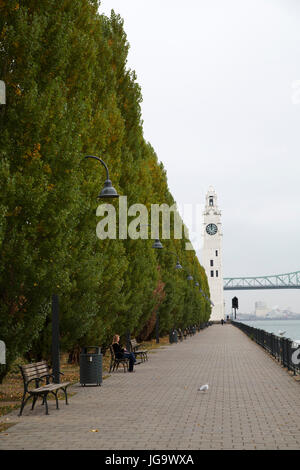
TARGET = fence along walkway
(285,350)
(252,403)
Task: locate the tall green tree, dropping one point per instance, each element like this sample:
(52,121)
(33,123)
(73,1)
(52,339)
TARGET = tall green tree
(71,94)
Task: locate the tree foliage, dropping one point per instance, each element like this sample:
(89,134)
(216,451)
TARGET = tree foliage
(69,94)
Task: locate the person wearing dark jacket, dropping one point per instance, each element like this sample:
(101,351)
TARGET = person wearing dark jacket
(122,353)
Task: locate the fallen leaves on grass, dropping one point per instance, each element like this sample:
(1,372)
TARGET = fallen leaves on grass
(5,426)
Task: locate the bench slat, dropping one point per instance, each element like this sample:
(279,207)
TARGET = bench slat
(27,370)
(34,364)
(43,371)
(49,387)
(31,374)
(35,370)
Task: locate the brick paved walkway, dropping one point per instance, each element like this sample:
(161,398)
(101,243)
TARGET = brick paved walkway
(252,403)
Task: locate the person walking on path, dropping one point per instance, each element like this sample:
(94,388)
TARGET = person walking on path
(120,352)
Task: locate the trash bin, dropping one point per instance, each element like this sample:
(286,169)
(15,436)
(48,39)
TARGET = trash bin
(90,366)
(173,336)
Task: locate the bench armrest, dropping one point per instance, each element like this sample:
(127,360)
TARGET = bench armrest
(52,375)
(139,346)
(61,373)
(31,380)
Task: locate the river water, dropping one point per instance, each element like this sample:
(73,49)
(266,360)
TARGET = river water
(291,327)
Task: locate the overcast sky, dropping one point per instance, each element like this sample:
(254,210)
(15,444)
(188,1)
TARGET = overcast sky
(221,106)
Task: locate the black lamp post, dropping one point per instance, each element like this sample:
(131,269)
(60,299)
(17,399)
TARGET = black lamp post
(107,192)
(55,339)
(157,245)
(2,92)
(178,266)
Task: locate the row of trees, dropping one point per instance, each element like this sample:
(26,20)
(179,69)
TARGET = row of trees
(70,94)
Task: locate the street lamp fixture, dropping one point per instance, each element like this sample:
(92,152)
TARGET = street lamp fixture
(208,300)
(189,277)
(178,265)
(157,244)
(108,191)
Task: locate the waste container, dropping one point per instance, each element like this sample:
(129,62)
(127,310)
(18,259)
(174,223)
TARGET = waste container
(90,362)
(173,336)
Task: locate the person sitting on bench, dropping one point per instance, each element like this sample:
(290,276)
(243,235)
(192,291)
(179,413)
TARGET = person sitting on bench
(120,352)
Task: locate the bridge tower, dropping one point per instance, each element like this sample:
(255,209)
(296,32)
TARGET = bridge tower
(212,254)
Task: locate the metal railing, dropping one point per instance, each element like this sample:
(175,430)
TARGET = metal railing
(283,349)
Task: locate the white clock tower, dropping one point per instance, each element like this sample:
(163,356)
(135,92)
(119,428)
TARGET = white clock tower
(212,254)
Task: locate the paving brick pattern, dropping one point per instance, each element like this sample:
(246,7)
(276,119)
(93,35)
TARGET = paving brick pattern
(252,403)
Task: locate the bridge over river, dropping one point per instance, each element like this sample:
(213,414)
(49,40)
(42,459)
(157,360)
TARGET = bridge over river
(275,281)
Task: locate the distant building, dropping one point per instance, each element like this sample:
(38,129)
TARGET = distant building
(212,254)
(261,309)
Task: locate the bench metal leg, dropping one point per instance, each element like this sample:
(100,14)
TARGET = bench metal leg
(66,395)
(23,403)
(56,399)
(46,403)
(34,401)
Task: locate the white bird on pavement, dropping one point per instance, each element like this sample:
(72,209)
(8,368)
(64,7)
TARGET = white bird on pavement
(203,388)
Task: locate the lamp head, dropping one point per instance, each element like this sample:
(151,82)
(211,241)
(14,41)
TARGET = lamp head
(108,191)
(178,265)
(157,244)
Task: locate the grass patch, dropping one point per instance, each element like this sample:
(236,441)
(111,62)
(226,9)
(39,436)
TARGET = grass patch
(7,408)
(5,426)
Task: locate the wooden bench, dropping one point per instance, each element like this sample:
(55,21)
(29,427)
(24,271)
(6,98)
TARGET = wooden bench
(114,362)
(39,373)
(142,353)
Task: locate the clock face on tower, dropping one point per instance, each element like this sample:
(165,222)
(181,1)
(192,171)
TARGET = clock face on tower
(211,229)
